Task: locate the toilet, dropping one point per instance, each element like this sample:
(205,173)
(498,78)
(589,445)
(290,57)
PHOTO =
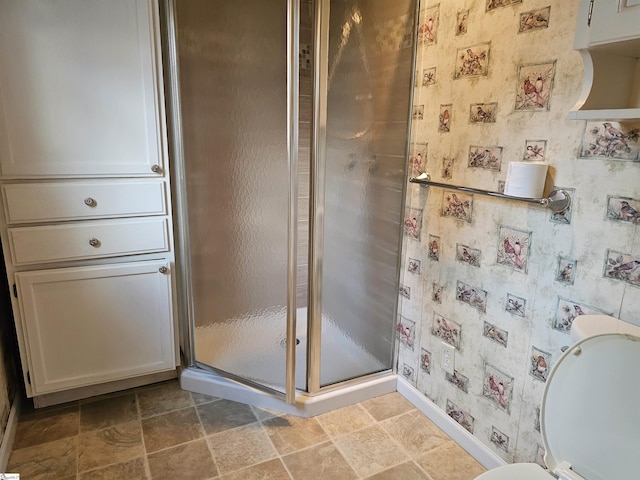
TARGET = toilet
(590,414)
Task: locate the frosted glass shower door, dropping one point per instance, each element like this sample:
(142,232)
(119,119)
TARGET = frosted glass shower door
(232,59)
(368,70)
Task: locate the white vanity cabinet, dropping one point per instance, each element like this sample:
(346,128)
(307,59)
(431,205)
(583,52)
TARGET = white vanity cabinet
(86,218)
(608,38)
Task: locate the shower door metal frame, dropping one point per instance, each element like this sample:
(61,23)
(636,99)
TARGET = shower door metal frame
(317,199)
(293,76)
(183,251)
(414,64)
(317,189)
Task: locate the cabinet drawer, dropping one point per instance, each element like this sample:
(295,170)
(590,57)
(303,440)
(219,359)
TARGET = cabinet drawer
(76,241)
(44,202)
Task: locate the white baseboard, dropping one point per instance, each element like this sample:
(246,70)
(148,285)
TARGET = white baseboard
(471,444)
(9,434)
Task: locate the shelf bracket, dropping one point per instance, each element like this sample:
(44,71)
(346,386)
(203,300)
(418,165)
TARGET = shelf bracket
(558,200)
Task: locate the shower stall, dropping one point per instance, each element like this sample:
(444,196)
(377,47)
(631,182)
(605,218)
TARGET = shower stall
(290,124)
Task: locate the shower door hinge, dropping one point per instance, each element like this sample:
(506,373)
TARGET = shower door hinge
(590,14)
(15,291)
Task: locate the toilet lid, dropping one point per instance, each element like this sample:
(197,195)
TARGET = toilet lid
(590,415)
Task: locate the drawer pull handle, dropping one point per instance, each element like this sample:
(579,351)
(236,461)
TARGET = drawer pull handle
(94,242)
(90,202)
(163,269)
(156,168)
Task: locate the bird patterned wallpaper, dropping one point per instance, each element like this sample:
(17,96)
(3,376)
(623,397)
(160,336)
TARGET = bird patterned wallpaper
(502,281)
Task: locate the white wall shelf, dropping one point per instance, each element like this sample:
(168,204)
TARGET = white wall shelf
(608,38)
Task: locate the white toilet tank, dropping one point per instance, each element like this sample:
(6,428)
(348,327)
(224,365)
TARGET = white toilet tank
(585,326)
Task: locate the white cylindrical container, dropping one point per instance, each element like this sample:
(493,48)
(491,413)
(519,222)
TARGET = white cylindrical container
(525,179)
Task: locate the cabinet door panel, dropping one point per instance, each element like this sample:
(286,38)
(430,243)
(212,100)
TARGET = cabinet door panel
(96,324)
(81,95)
(611,22)
(79,200)
(84,240)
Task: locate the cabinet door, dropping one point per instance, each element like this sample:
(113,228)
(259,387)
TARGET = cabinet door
(81,96)
(615,21)
(89,325)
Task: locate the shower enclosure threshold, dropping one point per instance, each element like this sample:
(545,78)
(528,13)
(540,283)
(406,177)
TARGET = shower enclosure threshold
(198,380)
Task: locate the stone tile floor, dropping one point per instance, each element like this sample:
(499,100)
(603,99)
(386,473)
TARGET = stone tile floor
(163,432)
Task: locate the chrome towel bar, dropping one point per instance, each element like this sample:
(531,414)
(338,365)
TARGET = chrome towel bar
(557,201)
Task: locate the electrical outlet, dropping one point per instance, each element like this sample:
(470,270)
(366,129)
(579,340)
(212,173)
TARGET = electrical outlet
(448,354)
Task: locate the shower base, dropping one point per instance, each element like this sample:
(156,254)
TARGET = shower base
(202,381)
(254,348)
(229,347)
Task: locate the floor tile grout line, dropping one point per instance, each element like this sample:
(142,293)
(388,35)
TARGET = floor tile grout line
(107,465)
(281,456)
(362,407)
(275,450)
(143,456)
(43,444)
(142,417)
(205,435)
(147,467)
(95,430)
(429,477)
(355,469)
(204,431)
(411,457)
(273,445)
(251,466)
(375,422)
(379,424)
(264,429)
(78,443)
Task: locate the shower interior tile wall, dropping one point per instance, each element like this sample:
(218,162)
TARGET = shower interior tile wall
(304,147)
(499,280)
